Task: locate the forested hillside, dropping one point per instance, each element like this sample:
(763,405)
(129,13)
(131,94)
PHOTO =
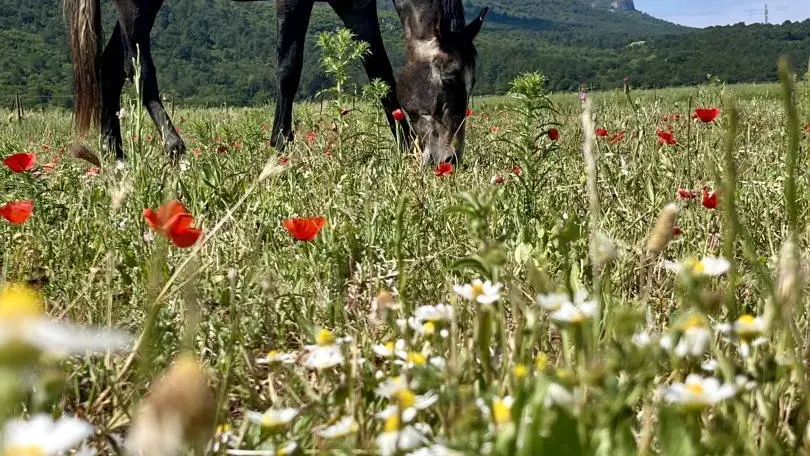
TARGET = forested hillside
(217,51)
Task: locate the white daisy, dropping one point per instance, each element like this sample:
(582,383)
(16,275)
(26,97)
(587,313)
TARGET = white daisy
(748,327)
(277,357)
(698,392)
(554,301)
(705,267)
(42,436)
(438,314)
(25,330)
(342,428)
(287,449)
(573,314)
(388,349)
(695,337)
(480,292)
(560,396)
(434,450)
(395,438)
(392,386)
(272,418)
(408,404)
(322,357)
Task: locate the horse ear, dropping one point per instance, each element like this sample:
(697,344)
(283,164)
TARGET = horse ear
(472,29)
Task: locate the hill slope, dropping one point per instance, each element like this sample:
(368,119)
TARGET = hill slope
(225,52)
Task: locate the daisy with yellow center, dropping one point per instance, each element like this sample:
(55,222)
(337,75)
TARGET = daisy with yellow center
(388,349)
(698,392)
(274,357)
(693,336)
(749,327)
(42,436)
(325,337)
(272,419)
(342,428)
(573,314)
(26,331)
(502,410)
(704,267)
(480,292)
(407,405)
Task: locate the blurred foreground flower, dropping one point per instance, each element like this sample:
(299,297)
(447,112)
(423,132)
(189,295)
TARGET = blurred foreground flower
(705,267)
(480,292)
(395,438)
(694,337)
(42,436)
(26,331)
(179,412)
(342,428)
(709,199)
(666,137)
(325,354)
(698,392)
(706,115)
(173,221)
(272,419)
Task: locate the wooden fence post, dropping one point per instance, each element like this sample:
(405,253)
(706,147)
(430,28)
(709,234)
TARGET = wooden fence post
(18,102)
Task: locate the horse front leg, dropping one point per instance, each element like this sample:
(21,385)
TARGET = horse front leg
(136,18)
(360,16)
(113,76)
(292,17)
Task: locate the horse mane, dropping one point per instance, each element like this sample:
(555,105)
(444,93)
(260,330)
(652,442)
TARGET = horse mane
(452,15)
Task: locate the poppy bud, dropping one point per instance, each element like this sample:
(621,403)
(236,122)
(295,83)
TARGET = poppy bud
(662,232)
(398,115)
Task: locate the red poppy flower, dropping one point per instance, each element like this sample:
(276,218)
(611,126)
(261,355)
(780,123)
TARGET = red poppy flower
(617,138)
(17,212)
(283,161)
(19,163)
(685,193)
(93,171)
(196,152)
(676,117)
(497,179)
(602,133)
(709,199)
(495,129)
(222,148)
(553,134)
(443,169)
(468,113)
(304,228)
(517,171)
(399,115)
(311,137)
(706,115)
(676,230)
(173,221)
(666,137)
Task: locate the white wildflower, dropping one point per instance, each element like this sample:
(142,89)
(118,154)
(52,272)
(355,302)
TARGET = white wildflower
(480,292)
(42,436)
(698,392)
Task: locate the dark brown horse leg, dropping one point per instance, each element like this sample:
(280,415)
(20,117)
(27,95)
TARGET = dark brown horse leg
(360,16)
(136,18)
(293,20)
(113,76)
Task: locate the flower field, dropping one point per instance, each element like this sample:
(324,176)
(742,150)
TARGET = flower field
(611,273)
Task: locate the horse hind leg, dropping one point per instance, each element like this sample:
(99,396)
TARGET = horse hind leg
(136,19)
(113,71)
(293,20)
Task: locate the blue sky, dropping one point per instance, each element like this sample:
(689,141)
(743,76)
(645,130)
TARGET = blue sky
(703,13)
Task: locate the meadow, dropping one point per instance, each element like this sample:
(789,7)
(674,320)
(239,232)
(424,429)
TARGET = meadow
(642,281)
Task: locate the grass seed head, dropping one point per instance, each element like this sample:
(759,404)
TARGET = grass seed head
(662,232)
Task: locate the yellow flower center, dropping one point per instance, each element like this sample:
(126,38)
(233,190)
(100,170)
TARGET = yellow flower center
(541,362)
(694,266)
(694,321)
(429,328)
(389,346)
(325,337)
(19,302)
(477,290)
(501,412)
(746,319)
(520,370)
(28,450)
(695,388)
(406,399)
(416,358)
(223,429)
(272,354)
(392,423)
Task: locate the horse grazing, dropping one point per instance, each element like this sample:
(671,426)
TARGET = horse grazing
(434,86)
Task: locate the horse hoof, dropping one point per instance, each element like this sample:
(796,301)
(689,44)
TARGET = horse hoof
(175,147)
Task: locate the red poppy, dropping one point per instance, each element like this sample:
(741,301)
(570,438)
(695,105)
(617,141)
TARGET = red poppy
(517,171)
(553,134)
(676,230)
(709,199)
(93,171)
(399,115)
(617,138)
(173,221)
(304,228)
(17,212)
(666,137)
(706,115)
(444,169)
(283,161)
(222,148)
(311,137)
(685,193)
(19,163)
(602,133)
(495,129)
(196,152)
(468,113)
(676,117)
(497,179)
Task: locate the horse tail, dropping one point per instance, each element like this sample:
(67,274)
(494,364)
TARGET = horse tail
(84,29)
